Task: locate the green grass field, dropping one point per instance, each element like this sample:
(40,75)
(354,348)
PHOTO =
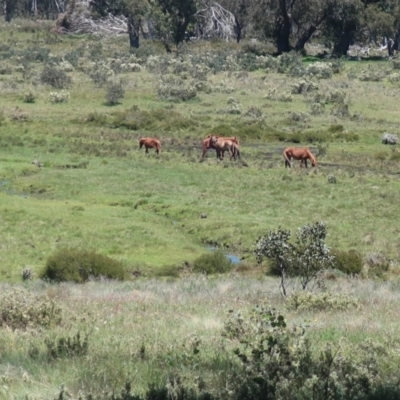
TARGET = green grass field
(96,190)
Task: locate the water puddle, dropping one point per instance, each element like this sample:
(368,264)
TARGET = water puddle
(233,259)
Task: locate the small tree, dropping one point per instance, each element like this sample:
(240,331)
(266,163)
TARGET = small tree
(305,259)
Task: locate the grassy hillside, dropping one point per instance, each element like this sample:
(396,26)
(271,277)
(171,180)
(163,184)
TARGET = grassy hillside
(96,189)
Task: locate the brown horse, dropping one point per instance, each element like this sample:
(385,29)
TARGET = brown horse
(150,143)
(299,153)
(221,145)
(208,145)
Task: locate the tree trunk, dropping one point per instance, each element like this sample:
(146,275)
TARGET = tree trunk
(306,36)
(343,44)
(133,31)
(238,29)
(9,10)
(180,31)
(283,29)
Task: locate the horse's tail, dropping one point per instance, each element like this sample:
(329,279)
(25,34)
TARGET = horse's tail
(286,157)
(236,150)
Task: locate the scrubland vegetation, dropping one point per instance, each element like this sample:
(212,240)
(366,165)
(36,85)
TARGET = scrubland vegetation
(81,203)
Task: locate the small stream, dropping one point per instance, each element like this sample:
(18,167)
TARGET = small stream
(233,259)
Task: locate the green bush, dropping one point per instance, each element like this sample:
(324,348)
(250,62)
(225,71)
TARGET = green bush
(349,262)
(307,301)
(278,362)
(212,263)
(115,92)
(21,309)
(77,265)
(55,77)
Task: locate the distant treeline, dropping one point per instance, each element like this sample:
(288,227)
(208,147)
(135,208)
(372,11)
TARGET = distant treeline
(289,25)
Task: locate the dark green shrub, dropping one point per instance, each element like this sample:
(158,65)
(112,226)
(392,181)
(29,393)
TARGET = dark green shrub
(349,262)
(64,347)
(35,54)
(115,92)
(257,48)
(55,77)
(77,265)
(335,128)
(278,362)
(212,263)
(96,119)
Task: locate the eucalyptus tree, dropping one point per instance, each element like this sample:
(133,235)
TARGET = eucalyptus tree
(171,19)
(291,24)
(240,10)
(9,7)
(359,20)
(135,12)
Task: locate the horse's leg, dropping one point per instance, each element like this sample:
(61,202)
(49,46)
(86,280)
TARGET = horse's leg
(147,149)
(305,161)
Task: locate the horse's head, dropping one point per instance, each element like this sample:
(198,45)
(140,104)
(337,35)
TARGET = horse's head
(312,159)
(213,140)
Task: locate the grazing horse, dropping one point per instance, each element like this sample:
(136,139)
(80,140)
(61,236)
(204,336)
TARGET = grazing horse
(298,153)
(221,145)
(150,143)
(208,145)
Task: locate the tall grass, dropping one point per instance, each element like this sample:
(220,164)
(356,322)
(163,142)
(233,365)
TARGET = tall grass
(145,331)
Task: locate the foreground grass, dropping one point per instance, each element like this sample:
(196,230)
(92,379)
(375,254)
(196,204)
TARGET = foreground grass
(146,331)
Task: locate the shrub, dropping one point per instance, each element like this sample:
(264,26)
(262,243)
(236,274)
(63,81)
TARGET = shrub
(377,264)
(175,89)
(27,274)
(307,301)
(278,362)
(303,86)
(77,265)
(29,97)
(59,97)
(115,92)
(100,73)
(317,108)
(55,77)
(320,70)
(372,75)
(332,179)
(340,110)
(389,138)
(349,262)
(21,309)
(212,263)
(277,95)
(62,347)
(305,259)
(5,69)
